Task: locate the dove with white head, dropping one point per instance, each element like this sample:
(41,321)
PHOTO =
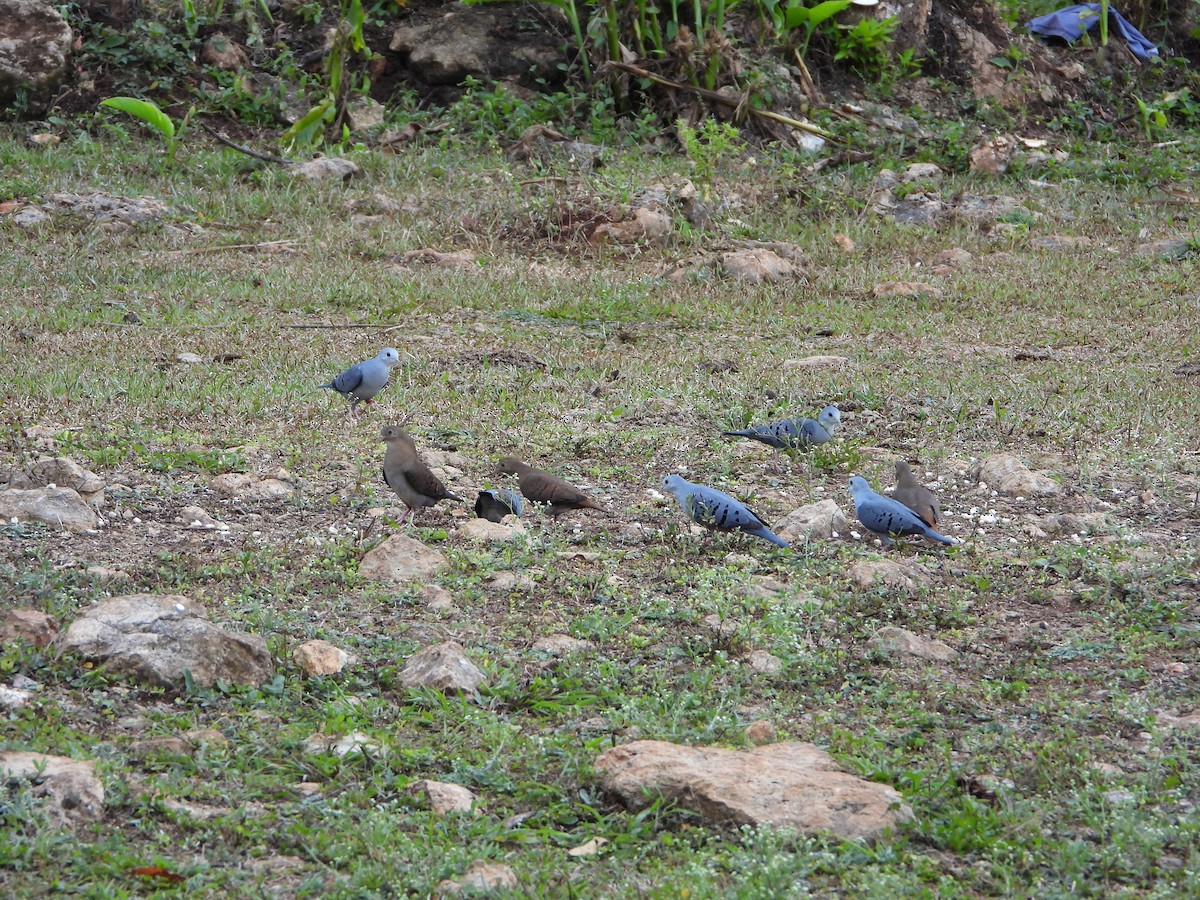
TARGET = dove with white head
(718,511)
(362,381)
(886,517)
(794,434)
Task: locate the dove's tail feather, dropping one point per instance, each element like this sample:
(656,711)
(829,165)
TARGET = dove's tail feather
(768,535)
(938,536)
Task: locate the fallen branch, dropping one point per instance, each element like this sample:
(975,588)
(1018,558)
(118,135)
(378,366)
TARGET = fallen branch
(715,97)
(220,248)
(265,157)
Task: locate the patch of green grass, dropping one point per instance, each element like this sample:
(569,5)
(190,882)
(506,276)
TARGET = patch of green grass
(584,362)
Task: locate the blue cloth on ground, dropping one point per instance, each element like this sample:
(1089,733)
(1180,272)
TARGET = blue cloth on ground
(1070,22)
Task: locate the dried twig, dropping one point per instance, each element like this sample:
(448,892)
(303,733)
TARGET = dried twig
(265,157)
(220,248)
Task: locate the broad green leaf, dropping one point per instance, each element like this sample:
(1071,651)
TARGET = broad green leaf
(826,10)
(304,129)
(145,110)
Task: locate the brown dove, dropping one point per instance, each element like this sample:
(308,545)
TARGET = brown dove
(542,487)
(916,496)
(406,473)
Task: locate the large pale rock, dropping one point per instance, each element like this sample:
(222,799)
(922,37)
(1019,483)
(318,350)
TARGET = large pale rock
(484,532)
(561,645)
(60,506)
(906,578)
(816,521)
(401,558)
(904,645)
(35,42)
(71,784)
(442,796)
(757,266)
(1008,475)
(791,785)
(442,667)
(60,471)
(241,486)
(647,225)
(326,168)
(29,625)
(482,878)
(156,638)
(321,658)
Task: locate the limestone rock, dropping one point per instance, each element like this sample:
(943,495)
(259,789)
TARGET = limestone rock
(989,209)
(510,582)
(401,558)
(792,785)
(647,226)
(816,521)
(437,598)
(1008,475)
(28,625)
(757,266)
(222,52)
(561,645)
(993,157)
(355,742)
(904,645)
(922,171)
(198,517)
(907,289)
(482,878)
(251,487)
(59,506)
(62,472)
(321,658)
(71,784)
(442,667)
(1071,523)
(955,256)
(12,699)
(485,532)
(1061,242)
(326,168)
(764,663)
(156,638)
(35,43)
(443,797)
(760,732)
(99,206)
(907,578)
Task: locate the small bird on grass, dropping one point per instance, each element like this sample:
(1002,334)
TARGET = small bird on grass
(362,381)
(916,496)
(542,487)
(886,517)
(718,511)
(794,434)
(406,473)
(496,503)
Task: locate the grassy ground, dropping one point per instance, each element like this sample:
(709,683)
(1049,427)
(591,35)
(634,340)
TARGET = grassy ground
(1036,763)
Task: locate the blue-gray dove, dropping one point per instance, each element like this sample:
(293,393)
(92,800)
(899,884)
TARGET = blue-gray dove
(718,511)
(406,473)
(794,434)
(886,517)
(362,381)
(496,503)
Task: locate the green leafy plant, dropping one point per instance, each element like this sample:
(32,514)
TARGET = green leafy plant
(329,113)
(148,112)
(863,45)
(796,17)
(709,146)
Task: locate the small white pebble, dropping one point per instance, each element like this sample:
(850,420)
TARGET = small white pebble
(833,534)
(333,529)
(855,535)
(995,493)
(256,534)
(180,607)
(137,520)
(13,521)
(655,494)
(1019,498)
